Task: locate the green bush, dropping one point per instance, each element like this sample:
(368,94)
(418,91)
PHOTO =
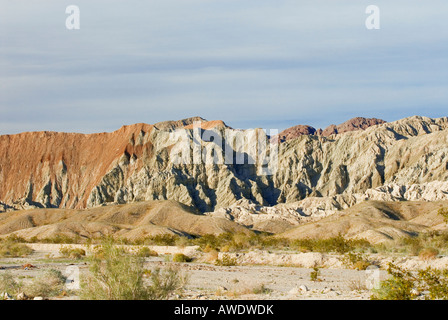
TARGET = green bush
(444,213)
(146,252)
(72,253)
(115,274)
(261,289)
(337,244)
(179,257)
(50,284)
(356,261)
(10,249)
(407,285)
(315,274)
(226,261)
(9,285)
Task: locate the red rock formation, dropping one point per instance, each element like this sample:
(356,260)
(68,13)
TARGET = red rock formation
(296,131)
(352,125)
(70,165)
(69,162)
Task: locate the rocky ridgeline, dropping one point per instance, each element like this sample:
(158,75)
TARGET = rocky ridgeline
(354,124)
(265,218)
(316,173)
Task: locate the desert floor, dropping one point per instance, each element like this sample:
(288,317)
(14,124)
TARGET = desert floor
(270,281)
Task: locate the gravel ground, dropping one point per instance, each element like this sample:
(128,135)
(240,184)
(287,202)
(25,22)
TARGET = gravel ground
(207,281)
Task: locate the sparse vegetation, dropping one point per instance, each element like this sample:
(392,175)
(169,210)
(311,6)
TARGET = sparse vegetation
(356,261)
(413,246)
(444,213)
(428,253)
(10,248)
(180,257)
(146,252)
(357,285)
(226,261)
(429,284)
(228,242)
(72,253)
(315,274)
(50,284)
(261,289)
(9,285)
(115,274)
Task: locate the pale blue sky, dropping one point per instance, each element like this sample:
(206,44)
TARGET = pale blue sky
(251,63)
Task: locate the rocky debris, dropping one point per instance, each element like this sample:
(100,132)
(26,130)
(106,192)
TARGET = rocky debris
(303,288)
(22,296)
(134,164)
(6,296)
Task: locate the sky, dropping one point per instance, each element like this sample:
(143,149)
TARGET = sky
(251,63)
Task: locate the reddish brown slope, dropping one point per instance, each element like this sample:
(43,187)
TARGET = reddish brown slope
(71,161)
(354,124)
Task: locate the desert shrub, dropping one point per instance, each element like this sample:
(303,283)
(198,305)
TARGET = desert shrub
(115,274)
(356,261)
(180,257)
(182,242)
(72,253)
(357,285)
(226,261)
(398,287)
(10,248)
(337,244)
(161,240)
(165,282)
(428,253)
(60,239)
(261,289)
(211,255)
(414,245)
(50,284)
(407,285)
(213,242)
(146,252)
(14,238)
(315,274)
(444,213)
(8,284)
(435,282)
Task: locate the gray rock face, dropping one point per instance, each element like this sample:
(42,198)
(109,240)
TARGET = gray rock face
(288,215)
(412,151)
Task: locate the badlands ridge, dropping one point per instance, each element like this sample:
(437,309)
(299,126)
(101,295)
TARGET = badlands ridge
(365,178)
